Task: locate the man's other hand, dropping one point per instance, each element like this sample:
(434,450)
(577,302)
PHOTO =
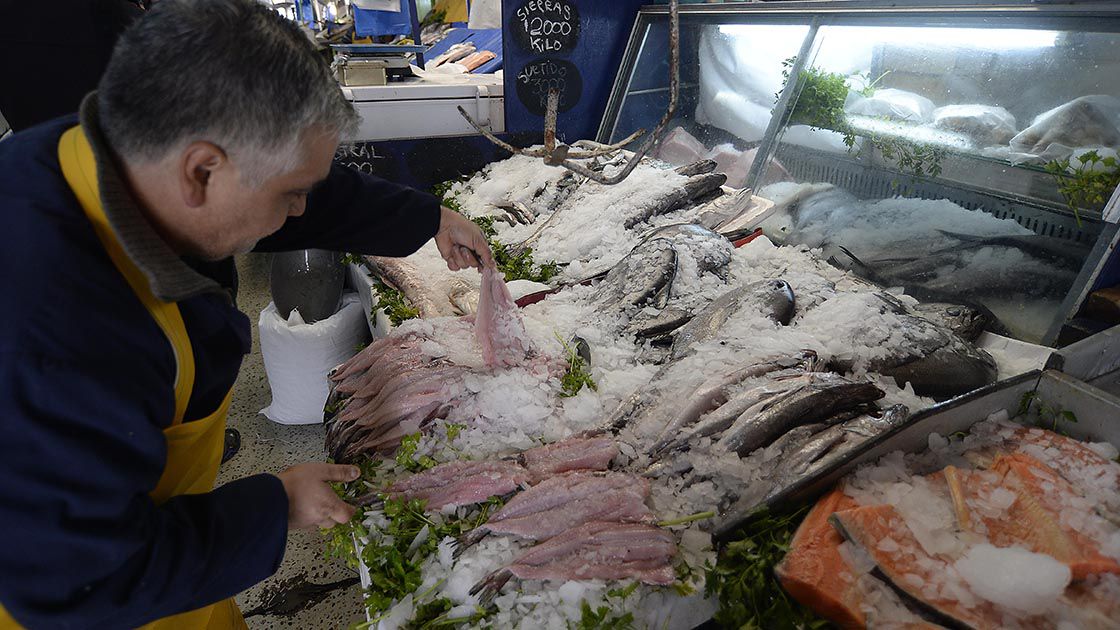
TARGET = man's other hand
(311,500)
(461,243)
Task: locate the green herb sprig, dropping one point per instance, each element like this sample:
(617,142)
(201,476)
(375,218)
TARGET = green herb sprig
(820,105)
(577,376)
(515,264)
(1090,185)
(1047,414)
(392,301)
(607,617)
(743,577)
(406,455)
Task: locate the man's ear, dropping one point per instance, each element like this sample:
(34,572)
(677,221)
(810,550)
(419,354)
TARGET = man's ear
(197,163)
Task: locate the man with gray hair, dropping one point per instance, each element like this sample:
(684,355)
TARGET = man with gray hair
(212,133)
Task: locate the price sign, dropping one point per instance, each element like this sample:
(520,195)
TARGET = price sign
(546,26)
(539,76)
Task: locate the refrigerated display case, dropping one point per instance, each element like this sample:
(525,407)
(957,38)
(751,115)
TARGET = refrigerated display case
(964,152)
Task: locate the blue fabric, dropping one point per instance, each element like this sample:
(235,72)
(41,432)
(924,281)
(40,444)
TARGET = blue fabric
(483,39)
(373,23)
(88,389)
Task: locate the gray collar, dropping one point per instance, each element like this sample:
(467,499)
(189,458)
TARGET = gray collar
(170,277)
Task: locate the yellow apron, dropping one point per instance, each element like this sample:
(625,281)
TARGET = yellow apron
(194,449)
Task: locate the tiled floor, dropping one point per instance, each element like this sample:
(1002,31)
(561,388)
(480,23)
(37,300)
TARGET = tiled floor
(270,447)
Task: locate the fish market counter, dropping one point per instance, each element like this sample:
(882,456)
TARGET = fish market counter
(428,107)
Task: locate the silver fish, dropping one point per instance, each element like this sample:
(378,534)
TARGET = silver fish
(965,321)
(774,298)
(802,405)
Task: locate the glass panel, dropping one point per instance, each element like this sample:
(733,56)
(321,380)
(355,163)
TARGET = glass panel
(730,75)
(922,157)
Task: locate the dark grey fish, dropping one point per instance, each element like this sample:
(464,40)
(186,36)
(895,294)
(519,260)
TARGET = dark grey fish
(773,298)
(804,405)
(965,321)
(928,275)
(936,362)
(697,239)
(951,370)
(1069,253)
(695,187)
(699,167)
(645,275)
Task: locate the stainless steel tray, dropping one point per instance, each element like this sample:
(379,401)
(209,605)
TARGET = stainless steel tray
(1091,357)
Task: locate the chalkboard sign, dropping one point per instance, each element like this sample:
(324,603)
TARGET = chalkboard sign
(540,75)
(546,26)
(359,156)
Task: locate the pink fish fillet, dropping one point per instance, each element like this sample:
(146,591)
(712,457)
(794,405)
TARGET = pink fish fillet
(373,353)
(461,483)
(577,453)
(497,325)
(602,551)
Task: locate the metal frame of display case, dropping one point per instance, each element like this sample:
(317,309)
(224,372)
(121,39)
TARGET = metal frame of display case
(1042,213)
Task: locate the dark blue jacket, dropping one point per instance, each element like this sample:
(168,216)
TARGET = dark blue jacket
(86,380)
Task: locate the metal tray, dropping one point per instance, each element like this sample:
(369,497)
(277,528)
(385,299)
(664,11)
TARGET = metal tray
(1098,416)
(1091,357)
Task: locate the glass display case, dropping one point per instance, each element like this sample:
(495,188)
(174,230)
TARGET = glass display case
(964,152)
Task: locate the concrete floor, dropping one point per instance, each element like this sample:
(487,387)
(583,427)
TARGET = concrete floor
(270,447)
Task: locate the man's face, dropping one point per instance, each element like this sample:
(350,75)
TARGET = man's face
(240,215)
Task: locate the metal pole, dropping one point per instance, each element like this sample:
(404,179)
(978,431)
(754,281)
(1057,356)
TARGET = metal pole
(777,118)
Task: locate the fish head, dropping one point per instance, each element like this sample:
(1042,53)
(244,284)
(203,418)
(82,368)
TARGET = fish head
(966,321)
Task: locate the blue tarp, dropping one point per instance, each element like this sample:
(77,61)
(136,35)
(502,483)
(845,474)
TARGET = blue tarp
(483,39)
(373,23)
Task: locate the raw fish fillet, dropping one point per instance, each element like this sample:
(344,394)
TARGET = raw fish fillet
(1081,465)
(497,325)
(1034,519)
(815,574)
(460,483)
(601,551)
(563,502)
(942,591)
(576,453)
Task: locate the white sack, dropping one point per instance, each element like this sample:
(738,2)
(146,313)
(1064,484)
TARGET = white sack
(983,124)
(894,104)
(1088,121)
(297,357)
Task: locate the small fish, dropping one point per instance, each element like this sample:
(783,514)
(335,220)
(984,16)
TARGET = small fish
(666,320)
(699,167)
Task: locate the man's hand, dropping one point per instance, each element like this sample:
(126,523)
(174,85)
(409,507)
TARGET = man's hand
(461,243)
(311,501)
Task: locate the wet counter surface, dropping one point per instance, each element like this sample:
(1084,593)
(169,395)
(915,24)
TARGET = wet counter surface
(307,591)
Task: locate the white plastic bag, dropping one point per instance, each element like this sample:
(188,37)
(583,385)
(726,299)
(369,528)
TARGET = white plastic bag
(1087,121)
(297,357)
(894,104)
(983,124)
(485,14)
